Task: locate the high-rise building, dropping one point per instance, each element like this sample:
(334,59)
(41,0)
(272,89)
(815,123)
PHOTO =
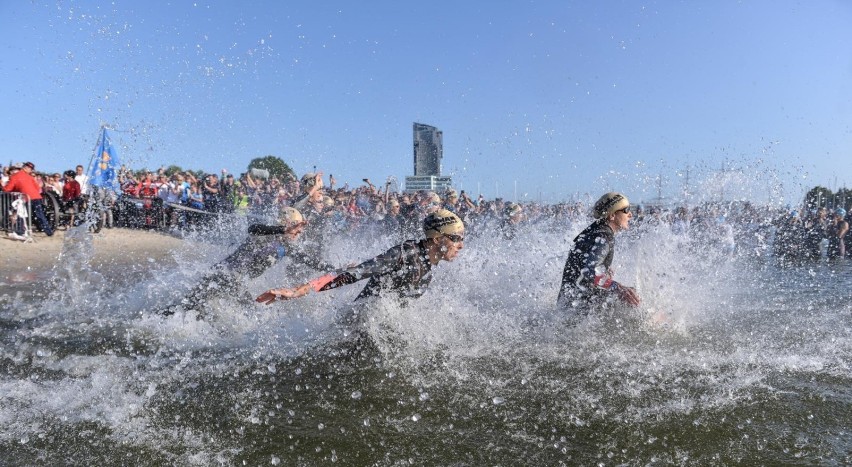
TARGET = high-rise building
(428,152)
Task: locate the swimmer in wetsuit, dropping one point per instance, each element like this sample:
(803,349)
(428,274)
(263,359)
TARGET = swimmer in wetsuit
(265,245)
(587,279)
(836,232)
(404,270)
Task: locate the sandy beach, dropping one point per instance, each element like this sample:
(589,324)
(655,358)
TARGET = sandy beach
(23,264)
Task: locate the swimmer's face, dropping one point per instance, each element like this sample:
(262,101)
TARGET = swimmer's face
(451,245)
(622,219)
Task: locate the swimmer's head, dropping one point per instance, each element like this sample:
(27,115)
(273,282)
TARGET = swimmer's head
(290,216)
(609,204)
(513,209)
(442,222)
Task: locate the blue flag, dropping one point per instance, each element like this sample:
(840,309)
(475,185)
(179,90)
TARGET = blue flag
(103,171)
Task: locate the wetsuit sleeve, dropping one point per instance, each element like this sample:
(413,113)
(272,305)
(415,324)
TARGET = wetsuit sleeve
(341,279)
(384,263)
(594,270)
(260,229)
(300,202)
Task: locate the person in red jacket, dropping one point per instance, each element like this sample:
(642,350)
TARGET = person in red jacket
(24,182)
(71,195)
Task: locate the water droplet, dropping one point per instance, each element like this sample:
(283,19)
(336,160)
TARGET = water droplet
(498,400)
(356,394)
(415,417)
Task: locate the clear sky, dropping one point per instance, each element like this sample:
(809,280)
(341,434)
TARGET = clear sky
(546,99)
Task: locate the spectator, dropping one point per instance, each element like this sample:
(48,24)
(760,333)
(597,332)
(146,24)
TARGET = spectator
(82,179)
(836,232)
(311,183)
(210,192)
(4,178)
(71,196)
(228,192)
(54,185)
(148,188)
(24,182)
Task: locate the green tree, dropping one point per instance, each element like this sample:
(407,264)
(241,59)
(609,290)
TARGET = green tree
(276,167)
(173,169)
(818,196)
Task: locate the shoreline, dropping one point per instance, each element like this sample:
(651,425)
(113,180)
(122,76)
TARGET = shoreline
(24,265)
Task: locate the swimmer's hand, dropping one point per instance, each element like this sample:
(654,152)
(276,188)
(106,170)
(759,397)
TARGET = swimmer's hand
(628,295)
(283,293)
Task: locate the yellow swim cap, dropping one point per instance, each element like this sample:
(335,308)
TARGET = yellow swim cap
(289,216)
(442,222)
(609,203)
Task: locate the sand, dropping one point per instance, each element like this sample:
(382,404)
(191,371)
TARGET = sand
(23,265)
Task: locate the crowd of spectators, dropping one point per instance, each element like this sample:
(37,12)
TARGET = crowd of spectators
(184,200)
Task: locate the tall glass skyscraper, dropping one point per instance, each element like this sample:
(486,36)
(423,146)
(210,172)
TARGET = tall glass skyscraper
(428,152)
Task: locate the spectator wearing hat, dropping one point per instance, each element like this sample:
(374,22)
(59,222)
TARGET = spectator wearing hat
(24,182)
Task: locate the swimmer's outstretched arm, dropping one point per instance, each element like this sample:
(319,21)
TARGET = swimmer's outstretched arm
(285,293)
(320,284)
(385,263)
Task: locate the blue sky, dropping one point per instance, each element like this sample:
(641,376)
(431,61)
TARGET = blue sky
(553,100)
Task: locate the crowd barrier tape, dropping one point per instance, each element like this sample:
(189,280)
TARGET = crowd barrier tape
(6,209)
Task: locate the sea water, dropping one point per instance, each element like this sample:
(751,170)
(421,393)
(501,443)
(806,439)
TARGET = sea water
(731,359)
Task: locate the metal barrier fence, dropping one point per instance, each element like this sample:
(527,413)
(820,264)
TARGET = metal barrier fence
(9,212)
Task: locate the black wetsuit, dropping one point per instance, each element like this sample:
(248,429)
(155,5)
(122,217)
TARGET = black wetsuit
(404,270)
(252,258)
(586,279)
(836,243)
